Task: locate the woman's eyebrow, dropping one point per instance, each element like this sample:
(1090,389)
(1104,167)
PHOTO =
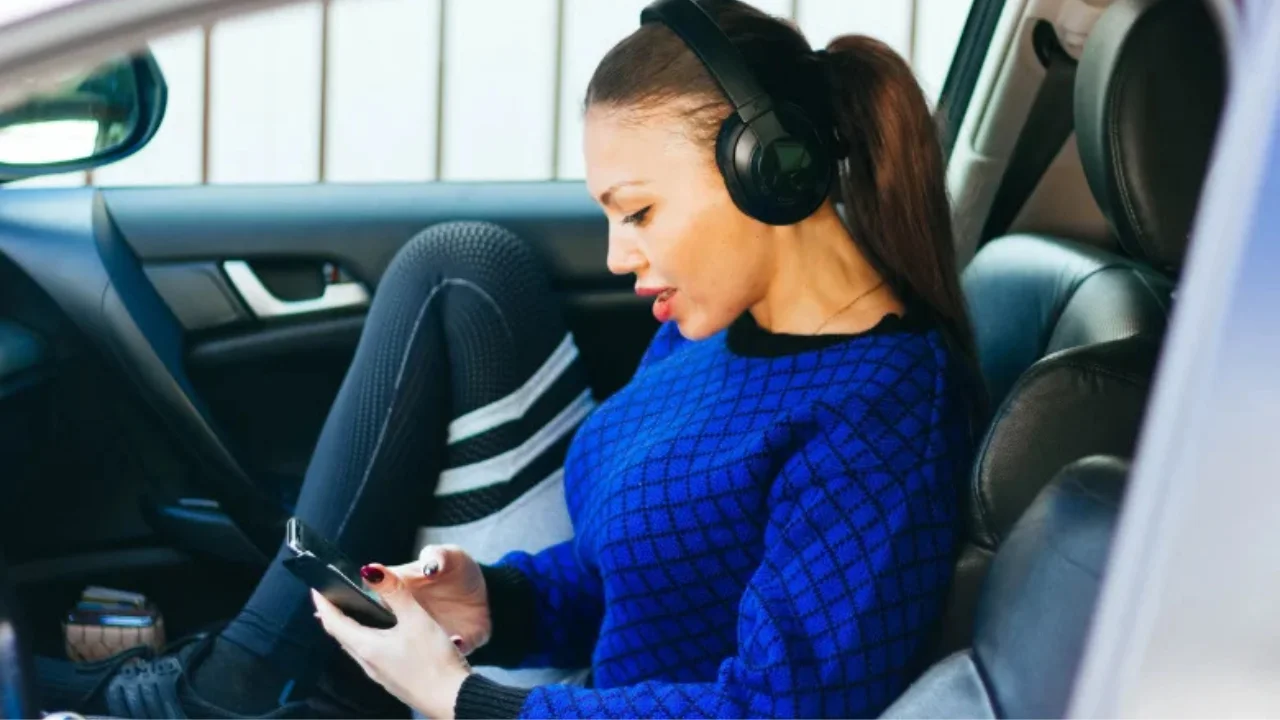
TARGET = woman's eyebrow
(606,197)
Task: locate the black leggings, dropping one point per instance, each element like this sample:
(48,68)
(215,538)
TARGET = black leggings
(465,357)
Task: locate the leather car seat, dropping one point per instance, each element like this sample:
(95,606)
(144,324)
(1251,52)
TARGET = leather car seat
(1148,94)
(1067,334)
(1036,606)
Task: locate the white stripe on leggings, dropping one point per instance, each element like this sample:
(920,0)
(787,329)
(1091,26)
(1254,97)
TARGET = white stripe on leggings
(517,403)
(501,468)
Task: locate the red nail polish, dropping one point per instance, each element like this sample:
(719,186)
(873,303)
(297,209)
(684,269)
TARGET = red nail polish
(371,574)
(457,642)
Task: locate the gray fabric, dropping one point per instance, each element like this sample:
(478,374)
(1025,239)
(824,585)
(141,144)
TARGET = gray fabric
(951,689)
(1038,599)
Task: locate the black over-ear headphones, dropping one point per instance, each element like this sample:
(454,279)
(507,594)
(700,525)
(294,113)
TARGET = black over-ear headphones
(775,163)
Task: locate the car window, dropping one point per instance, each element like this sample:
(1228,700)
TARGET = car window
(14,10)
(420,90)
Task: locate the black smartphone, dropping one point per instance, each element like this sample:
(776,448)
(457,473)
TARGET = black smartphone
(322,566)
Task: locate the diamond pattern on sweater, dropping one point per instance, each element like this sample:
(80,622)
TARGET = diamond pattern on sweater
(754,536)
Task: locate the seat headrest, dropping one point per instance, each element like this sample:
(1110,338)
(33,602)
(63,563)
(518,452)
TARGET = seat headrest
(1075,403)
(1032,296)
(1149,91)
(1039,599)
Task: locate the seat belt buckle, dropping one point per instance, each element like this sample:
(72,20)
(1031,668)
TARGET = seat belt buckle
(1074,23)
(106,622)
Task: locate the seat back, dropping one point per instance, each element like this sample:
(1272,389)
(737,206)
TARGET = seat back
(1068,335)
(1037,603)
(1079,402)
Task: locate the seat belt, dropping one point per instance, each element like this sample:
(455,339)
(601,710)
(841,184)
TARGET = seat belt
(1049,123)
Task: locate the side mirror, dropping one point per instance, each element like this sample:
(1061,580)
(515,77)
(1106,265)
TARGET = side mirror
(90,120)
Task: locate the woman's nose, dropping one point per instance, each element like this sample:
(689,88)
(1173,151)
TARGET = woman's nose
(624,257)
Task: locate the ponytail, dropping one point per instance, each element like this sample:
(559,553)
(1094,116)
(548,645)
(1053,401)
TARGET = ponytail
(892,186)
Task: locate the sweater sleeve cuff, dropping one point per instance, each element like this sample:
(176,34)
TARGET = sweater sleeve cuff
(481,698)
(512,613)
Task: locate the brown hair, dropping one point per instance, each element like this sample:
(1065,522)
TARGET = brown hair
(891,187)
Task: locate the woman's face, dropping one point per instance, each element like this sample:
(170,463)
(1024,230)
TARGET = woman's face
(672,222)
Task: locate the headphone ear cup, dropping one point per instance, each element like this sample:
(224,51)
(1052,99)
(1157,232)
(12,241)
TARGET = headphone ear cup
(735,148)
(780,182)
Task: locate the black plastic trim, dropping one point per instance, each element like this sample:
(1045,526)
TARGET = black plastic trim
(198,294)
(203,530)
(121,561)
(66,242)
(966,65)
(276,341)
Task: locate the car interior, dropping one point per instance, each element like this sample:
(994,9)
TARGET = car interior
(168,354)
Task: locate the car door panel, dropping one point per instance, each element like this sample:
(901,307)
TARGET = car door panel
(359,226)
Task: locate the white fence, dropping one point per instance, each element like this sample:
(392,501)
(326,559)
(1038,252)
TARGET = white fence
(418,90)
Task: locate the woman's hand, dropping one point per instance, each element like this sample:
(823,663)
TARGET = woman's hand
(448,584)
(416,660)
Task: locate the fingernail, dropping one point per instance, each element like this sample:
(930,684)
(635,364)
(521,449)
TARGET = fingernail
(431,568)
(371,574)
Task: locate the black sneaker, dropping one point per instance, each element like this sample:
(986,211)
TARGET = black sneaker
(138,683)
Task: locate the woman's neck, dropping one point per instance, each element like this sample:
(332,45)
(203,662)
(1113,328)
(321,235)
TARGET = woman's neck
(818,273)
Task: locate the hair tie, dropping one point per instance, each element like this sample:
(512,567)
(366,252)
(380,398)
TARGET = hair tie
(820,58)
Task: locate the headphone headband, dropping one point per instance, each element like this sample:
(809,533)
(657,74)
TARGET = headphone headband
(700,32)
(775,164)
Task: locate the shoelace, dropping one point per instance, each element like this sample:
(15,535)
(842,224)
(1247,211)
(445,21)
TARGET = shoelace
(112,666)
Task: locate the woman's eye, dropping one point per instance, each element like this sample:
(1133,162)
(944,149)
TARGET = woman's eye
(636,217)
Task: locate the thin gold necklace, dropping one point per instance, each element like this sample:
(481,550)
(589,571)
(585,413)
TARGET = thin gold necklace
(852,302)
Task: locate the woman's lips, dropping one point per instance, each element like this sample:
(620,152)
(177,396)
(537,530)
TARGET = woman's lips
(662,297)
(662,309)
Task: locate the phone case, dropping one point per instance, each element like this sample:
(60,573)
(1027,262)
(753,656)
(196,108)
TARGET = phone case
(337,590)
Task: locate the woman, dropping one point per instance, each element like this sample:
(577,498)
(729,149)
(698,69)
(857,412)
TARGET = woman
(763,519)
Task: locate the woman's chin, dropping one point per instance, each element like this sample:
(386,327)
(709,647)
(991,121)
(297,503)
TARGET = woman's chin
(697,327)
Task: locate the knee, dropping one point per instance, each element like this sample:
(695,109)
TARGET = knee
(477,251)
(488,271)
(485,257)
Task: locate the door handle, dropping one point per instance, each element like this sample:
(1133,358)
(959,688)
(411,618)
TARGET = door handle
(264,304)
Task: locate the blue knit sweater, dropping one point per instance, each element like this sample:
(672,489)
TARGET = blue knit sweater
(764,526)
